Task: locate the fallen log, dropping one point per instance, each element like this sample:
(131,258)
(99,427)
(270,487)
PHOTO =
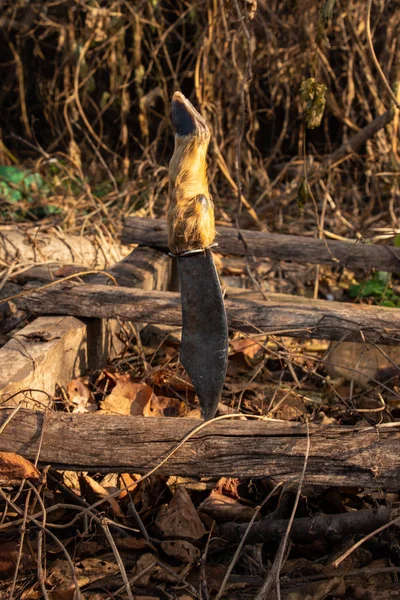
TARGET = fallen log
(299,249)
(339,455)
(281,315)
(32,246)
(51,350)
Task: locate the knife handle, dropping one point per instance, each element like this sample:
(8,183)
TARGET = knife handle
(191,210)
(191,224)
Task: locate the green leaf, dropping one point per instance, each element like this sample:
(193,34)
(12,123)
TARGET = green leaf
(17,183)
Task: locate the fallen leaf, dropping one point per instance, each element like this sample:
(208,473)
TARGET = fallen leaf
(129,398)
(134,544)
(32,593)
(168,407)
(155,571)
(94,492)
(9,551)
(228,486)
(14,468)
(80,396)
(87,571)
(180,519)
(126,480)
(224,509)
(248,347)
(182,550)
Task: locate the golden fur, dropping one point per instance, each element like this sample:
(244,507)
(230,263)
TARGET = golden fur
(191,210)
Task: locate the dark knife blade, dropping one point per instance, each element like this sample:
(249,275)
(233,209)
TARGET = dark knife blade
(204,346)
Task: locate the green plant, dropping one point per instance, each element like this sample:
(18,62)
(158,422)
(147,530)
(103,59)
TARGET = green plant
(378,288)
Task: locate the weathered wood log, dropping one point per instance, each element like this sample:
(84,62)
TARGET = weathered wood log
(339,455)
(51,350)
(281,315)
(299,249)
(30,246)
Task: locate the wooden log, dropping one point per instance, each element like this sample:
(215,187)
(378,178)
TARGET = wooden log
(299,249)
(32,246)
(339,455)
(52,350)
(281,315)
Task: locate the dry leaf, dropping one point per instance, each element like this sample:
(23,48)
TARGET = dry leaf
(180,519)
(168,407)
(134,544)
(248,347)
(182,550)
(87,571)
(80,396)
(155,571)
(32,593)
(14,468)
(224,509)
(94,492)
(9,551)
(360,362)
(228,486)
(129,398)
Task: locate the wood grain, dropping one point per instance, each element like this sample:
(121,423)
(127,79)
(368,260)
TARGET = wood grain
(281,315)
(339,455)
(299,249)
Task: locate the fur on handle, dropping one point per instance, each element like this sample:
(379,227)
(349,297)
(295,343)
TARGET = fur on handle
(191,210)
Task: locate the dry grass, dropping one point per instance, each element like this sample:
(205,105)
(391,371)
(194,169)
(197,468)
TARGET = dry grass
(87,89)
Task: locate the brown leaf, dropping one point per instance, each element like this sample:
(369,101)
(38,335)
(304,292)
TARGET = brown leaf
(129,398)
(80,396)
(32,593)
(9,551)
(182,550)
(14,468)
(225,509)
(134,544)
(168,407)
(87,571)
(228,486)
(94,492)
(248,347)
(180,518)
(155,571)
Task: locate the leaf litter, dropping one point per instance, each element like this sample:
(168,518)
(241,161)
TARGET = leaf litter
(172,534)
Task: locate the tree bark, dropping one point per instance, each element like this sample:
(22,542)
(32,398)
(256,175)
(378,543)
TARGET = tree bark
(32,246)
(281,315)
(299,249)
(339,455)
